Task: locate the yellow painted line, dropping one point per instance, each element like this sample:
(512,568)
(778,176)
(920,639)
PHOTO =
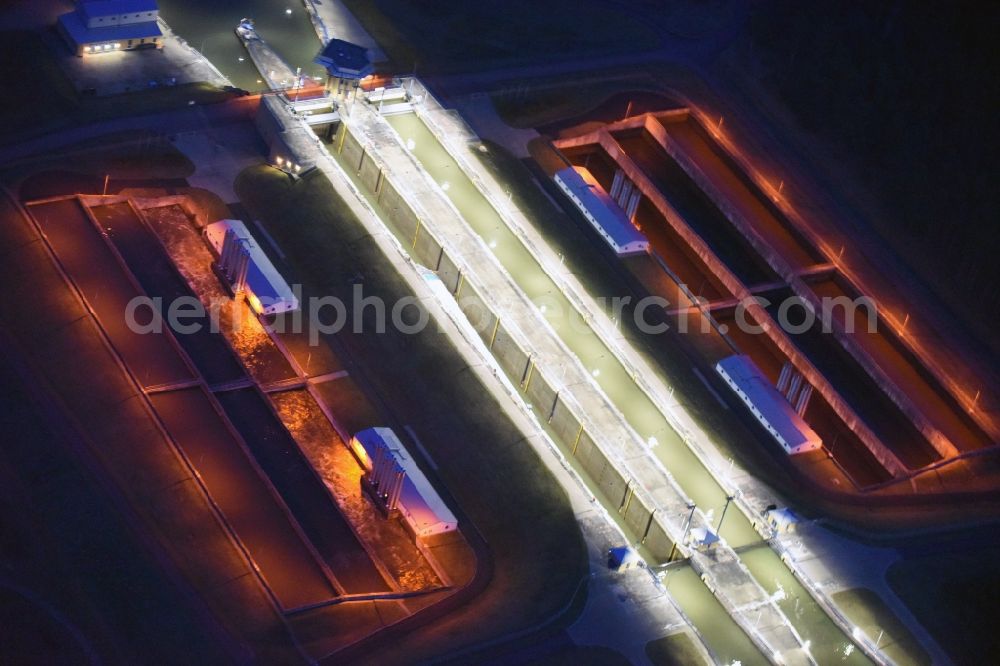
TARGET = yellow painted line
(531,371)
(416,233)
(628,500)
(493,337)
(576,442)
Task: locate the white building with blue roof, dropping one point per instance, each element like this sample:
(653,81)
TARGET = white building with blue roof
(266,290)
(768,405)
(601,211)
(106,26)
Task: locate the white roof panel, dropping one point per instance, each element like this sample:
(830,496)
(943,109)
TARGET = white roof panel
(770,407)
(419,503)
(601,210)
(263,280)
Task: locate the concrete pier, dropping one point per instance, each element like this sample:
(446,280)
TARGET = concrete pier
(275,72)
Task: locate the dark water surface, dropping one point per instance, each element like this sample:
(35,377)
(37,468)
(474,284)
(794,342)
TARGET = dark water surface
(209,27)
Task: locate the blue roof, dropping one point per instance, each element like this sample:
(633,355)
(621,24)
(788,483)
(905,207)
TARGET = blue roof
(95,8)
(768,405)
(345,60)
(74,26)
(602,211)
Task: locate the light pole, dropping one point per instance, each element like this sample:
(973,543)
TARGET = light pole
(687,526)
(729,498)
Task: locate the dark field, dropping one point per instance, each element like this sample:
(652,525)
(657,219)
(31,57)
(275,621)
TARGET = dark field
(955,597)
(904,96)
(447,36)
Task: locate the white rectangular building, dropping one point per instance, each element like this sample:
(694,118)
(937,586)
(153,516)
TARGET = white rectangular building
(767,404)
(267,291)
(420,506)
(601,211)
(103,26)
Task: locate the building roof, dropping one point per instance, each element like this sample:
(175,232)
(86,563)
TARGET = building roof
(624,557)
(770,407)
(345,60)
(419,503)
(96,8)
(263,280)
(78,31)
(783,518)
(607,215)
(703,537)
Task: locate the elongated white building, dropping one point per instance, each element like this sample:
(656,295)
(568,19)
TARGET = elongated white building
(265,289)
(768,405)
(601,211)
(384,457)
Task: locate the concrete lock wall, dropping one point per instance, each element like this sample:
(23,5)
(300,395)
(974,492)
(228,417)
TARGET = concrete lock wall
(475,310)
(370,173)
(636,514)
(611,482)
(657,541)
(267,124)
(351,151)
(540,394)
(509,355)
(397,212)
(636,517)
(426,248)
(449,272)
(584,451)
(564,424)
(515,361)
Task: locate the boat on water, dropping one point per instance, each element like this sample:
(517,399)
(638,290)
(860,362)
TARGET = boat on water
(246,30)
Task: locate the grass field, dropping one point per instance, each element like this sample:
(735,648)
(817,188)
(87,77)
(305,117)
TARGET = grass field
(545,103)
(579,656)
(955,596)
(492,472)
(677,649)
(442,37)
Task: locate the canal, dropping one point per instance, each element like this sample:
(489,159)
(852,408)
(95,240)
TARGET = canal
(645,417)
(723,635)
(828,643)
(209,27)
